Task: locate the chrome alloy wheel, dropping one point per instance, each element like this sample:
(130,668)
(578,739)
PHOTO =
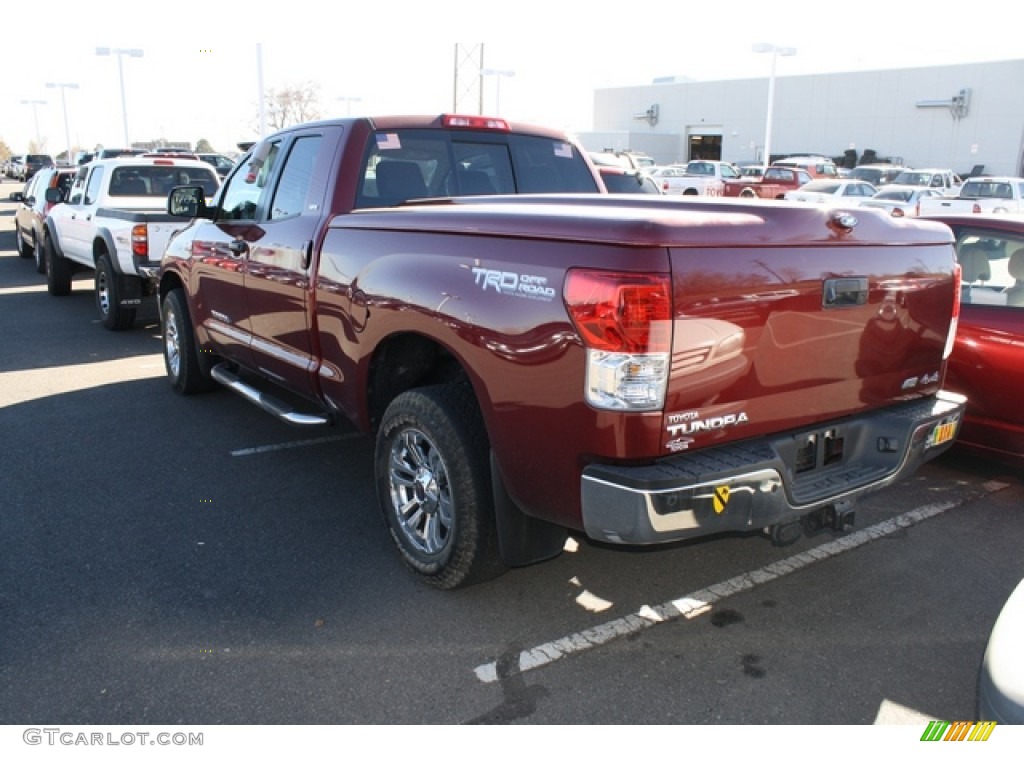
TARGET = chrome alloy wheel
(420,493)
(103,292)
(172,342)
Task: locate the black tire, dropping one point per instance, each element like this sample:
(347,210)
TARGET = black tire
(108,297)
(25,250)
(748,192)
(58,270)
(181,354)
(40,256)
(434,486)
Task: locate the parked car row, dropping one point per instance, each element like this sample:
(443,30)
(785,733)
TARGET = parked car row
(24,167)
(109,216)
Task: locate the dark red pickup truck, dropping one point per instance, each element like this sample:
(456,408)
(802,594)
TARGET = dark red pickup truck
(641,369)
(773,184)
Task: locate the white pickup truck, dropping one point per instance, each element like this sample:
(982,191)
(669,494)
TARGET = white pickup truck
(981,194)
(940,180)
(706,177)
(113,220)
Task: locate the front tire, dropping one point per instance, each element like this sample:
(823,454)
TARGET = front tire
(434,486)
(108,297)
(181,354)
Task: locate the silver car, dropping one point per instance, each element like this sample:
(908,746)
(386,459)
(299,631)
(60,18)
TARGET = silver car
(899,200)
(1001,683)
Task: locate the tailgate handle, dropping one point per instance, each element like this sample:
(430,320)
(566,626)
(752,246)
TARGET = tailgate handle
(845,292)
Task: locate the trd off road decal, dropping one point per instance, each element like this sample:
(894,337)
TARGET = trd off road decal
(513,284)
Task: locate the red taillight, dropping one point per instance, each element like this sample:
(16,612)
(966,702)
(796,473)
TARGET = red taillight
(620,311)
(474,121)
(976,208)
(140,241)
(955,321)
(897,212)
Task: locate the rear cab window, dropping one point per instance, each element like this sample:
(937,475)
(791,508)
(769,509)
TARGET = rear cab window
(158,180)
(423,163)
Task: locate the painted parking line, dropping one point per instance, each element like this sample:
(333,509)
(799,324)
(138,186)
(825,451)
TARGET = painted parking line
(293,444)
(701,601)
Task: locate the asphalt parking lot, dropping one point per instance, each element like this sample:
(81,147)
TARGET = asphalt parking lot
(193,561)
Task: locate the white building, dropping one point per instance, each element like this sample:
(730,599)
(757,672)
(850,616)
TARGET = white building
(958,116)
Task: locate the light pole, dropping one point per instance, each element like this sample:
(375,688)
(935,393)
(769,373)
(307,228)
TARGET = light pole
(35,115)
(498,73)
(63,102)
(135,53)
(348,102)
(775,51)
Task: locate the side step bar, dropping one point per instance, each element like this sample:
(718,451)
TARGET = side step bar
(223,374)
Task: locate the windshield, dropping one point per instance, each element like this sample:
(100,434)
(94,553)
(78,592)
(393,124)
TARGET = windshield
(826,187)
(902,195)
(866,174)
(698,168)
(913,179)
(630,183)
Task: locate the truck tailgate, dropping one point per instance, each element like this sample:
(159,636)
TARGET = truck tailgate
(776,337)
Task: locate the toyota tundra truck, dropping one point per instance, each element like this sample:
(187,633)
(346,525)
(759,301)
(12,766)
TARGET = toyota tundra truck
(634,369)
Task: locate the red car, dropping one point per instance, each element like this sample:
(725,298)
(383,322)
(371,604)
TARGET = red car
(987,363)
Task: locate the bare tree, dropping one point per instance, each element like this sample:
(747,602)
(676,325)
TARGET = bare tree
(292,105)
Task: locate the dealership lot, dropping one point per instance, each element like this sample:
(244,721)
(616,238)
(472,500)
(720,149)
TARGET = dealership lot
(172,560)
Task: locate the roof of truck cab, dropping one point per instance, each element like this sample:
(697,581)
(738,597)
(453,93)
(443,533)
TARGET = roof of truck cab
(396,122)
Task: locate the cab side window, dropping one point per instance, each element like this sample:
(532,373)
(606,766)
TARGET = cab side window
(240,201)
(92,189)
(296,176)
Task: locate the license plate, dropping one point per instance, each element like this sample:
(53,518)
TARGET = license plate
(943,433)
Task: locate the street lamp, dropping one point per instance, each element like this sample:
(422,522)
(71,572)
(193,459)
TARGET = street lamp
(135,53)
(775,51)
(35,115)
(498,73)
(67,134)
(348,102)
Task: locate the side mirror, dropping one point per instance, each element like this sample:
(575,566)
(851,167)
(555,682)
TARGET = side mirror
(187,203)
(54,195)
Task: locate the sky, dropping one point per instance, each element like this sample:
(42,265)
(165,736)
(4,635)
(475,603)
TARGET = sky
(200,73)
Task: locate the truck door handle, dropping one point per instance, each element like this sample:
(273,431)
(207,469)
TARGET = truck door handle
(238,247)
